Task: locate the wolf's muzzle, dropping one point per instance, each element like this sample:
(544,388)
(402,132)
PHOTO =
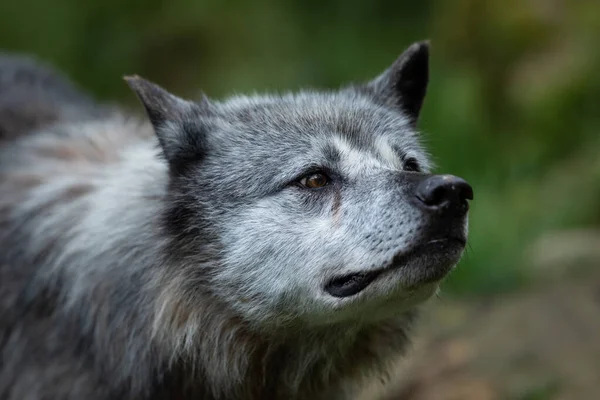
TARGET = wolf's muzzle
(443,201)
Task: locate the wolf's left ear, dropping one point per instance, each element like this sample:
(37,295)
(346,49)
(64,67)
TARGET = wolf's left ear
(179,124)
(404,84)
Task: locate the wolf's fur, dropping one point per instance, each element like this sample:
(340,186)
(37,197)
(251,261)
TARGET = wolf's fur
(33,95)
(191,269)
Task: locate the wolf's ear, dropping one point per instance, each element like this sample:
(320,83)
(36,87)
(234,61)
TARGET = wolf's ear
(178,123)
(404,83)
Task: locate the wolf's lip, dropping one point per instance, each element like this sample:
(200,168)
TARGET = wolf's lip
(351,284)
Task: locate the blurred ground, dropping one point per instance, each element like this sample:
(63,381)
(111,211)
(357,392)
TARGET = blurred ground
(538,344)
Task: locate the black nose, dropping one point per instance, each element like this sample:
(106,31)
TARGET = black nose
(444,192)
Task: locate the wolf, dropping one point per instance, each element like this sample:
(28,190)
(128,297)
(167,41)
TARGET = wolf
(271,246)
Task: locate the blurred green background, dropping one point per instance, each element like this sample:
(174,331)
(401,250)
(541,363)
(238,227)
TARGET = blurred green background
(513,104)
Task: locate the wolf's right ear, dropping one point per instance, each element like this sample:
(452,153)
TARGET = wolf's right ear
(404,84)
(178,123)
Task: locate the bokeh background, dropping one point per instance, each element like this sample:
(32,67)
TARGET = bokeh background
(513,107)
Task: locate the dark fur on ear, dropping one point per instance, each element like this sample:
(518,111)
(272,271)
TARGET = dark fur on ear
(404,84)
(160,105)
(179,124)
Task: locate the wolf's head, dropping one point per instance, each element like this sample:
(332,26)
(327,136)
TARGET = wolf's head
(321,204)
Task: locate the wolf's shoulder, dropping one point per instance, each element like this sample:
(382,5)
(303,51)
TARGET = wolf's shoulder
(33,94)
(24,71)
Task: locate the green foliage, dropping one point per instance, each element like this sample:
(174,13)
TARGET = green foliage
(513,104)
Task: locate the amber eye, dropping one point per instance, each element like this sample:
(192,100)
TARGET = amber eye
(411,165)
(315,180)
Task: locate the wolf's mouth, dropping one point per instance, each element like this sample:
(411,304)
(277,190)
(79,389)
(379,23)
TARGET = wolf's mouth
(352,284)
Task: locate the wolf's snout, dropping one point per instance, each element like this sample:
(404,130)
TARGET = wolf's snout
(444,192)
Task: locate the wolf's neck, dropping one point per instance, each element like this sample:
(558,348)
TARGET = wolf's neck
(331,363)
(327,363)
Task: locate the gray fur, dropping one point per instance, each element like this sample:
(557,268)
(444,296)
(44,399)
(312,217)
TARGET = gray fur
(34,94)
(173,259)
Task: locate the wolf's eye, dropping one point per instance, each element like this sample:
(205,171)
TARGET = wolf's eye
(411,165)
(315,180)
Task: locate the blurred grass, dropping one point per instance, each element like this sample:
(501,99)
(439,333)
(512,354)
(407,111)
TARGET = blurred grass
(513,106)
